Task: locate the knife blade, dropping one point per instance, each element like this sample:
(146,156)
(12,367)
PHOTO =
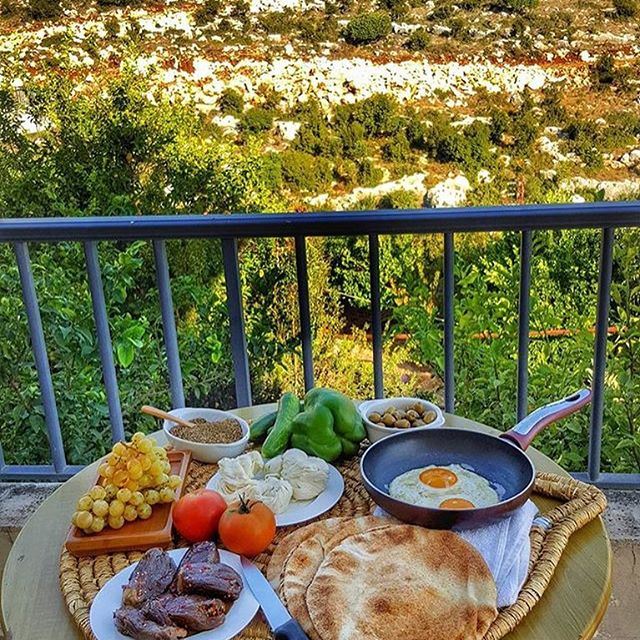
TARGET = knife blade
(284,627)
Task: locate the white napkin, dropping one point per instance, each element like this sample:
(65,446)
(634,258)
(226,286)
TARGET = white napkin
(505,547)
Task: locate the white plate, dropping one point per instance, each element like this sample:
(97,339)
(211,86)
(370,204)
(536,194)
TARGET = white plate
(110,598)
(303,510)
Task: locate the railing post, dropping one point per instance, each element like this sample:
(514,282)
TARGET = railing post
(39,348)
(305,313)
(236,322)
(523,323)
(168,323)
(104,339)
(449,378)
(600,352)
(376,314)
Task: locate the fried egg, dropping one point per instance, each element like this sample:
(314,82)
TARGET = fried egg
(444,487)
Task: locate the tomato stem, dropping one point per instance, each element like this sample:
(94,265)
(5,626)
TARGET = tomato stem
(244,505)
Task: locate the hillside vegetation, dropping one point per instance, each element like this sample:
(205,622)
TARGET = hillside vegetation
(130,108)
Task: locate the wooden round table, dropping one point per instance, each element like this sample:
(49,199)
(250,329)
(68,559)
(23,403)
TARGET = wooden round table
(33,608)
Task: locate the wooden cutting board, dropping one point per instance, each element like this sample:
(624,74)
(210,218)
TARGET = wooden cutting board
(137,535)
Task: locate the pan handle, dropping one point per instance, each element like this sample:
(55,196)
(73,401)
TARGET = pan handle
(529,427)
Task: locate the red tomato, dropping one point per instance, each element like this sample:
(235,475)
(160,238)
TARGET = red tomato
(196,515)
(247,527)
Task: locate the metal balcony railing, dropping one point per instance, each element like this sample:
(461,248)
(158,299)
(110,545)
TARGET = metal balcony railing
(228,228)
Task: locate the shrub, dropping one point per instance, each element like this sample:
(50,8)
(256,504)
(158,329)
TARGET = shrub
(585,139)
(350,136)
(368,173)
(318,28)
(418,40)
(604,71)
(304,171)
(256,120)
(416,132)
(626,8)
(43,9)
(118,3)
(368,28)
(514,6)
(397,149)
(314,136)
(346,172)
(396,8)
(231,102)
(400,199)
(376,114)
(277,21)
(500,123)
(208,11)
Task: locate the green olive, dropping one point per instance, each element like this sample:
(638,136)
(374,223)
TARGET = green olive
(375,417)
(402,424)
(388,419)
(429,416)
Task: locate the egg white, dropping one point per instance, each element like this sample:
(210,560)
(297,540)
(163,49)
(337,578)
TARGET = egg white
(470,486)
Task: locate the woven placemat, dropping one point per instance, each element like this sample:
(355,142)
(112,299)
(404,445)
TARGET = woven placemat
(82,578)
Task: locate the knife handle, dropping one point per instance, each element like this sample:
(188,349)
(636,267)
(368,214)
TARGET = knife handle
(290,630)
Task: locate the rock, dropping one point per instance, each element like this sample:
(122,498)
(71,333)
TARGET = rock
(228,124)
(413,182)
(451,192)
(286,129)
(612,189)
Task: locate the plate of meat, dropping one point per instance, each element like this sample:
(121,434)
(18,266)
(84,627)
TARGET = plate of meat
(198,593)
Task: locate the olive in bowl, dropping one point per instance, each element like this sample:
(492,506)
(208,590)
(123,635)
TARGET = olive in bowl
(385,417)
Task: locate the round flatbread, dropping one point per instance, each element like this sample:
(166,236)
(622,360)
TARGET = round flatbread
(402,582)
(279,556)
(303,562)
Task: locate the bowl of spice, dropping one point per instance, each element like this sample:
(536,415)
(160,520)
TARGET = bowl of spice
(214,435)
(385,417)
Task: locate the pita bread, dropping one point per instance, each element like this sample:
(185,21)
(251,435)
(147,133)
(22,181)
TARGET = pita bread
(279,556)
(303,562)
(402,582)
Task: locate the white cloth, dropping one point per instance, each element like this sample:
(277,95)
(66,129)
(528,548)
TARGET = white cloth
(504,544)
(506,548)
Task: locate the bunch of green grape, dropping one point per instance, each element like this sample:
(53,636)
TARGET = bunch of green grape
(135,476)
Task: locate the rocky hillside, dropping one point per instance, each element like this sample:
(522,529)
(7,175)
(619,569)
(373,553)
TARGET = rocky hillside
(392,100)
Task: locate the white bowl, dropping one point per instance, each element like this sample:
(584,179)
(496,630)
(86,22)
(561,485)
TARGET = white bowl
(205,452)
(377,431)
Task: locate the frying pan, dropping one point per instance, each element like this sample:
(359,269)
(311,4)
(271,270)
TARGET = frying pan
(501,460)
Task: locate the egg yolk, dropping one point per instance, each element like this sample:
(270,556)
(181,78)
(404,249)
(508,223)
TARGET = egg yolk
(438,478)
(456,503)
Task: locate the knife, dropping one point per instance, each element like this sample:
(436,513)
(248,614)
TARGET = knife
(284,627)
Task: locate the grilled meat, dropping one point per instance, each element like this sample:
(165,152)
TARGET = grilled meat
(133,623)
(200,552)
(193,612)
(217,580)
(150,578)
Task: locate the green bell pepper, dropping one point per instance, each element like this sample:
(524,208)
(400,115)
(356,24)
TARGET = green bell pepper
(329,426)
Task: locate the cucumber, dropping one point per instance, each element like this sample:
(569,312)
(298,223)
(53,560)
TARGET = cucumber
(259,428)
(278,438)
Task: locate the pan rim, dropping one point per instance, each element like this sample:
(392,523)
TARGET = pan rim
(436,511)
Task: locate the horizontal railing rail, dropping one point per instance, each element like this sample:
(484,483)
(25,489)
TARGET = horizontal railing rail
(525,219)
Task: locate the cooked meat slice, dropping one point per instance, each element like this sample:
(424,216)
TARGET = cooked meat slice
(150,578)
(200,552)
(218,580)
(195,613)
(133,623)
